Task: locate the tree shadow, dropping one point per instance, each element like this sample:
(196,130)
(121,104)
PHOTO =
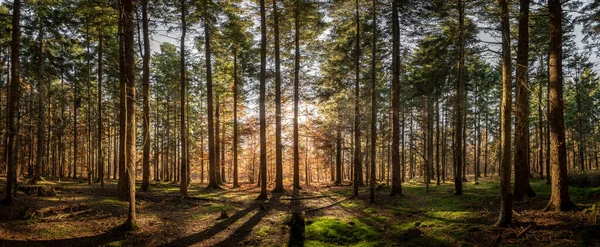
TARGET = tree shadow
(212,231)
(244,230)
(117,233)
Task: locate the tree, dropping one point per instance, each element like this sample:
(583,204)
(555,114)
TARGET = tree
(146,100)
(559,198)
(279,156)
(505,171)
(522,186)
(357,145)
(41,131)
(183,92)
(262,115)
(373,104)
(212,179)
(458,99)
(296,182)
(13,106)
(127,21)
(396,182)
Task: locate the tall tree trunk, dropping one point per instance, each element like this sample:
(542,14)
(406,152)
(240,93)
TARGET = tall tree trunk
(100,126)
(212,183)
(235,120)
(357,152)
(296,94)
(458,105)
(41,127)
(263,119)
(373,103)
(559,198)
(505,121)
(522,186)
(184,162)
(13,105)
(396,179)
(338,150)
(278,154)
(127,19)
(437,142)
(218,141)
(146,100)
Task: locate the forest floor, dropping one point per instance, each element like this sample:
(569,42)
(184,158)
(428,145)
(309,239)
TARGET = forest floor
(82,215)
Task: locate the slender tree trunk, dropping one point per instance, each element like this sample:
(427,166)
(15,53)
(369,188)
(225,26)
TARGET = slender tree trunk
(559,198)
(100,126)
(184,162)
(218,141)
(41,127)
(458,128)
(357,152)
(13,105)
(522,186)
(505,173)
(127,19)
(212,183)
(373,104)
(396,179)
(262,113)
(338,151)
(296,94)
(235,120)
(146,100)
(278,153)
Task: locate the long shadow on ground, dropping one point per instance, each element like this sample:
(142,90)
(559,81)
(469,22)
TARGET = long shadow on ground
(112,235)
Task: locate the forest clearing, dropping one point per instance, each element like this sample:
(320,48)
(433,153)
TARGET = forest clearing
(79,215)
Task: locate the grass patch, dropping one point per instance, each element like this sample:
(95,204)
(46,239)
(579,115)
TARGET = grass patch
(325,231)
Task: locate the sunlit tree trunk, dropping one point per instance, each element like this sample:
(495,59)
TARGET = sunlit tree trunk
(262,98)
(212,183)
(127,19)
(522,186)
(235,121)
(505,121)
(559,198)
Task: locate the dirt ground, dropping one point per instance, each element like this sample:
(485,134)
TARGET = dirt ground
(82,215)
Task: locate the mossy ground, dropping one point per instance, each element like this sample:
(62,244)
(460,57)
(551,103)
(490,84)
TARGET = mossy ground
(89,215)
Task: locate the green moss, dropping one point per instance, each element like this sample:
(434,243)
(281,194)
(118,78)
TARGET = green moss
(333,231)
(264,231)
(111,202)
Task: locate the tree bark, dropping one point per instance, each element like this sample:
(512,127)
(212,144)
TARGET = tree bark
(373,104)
(559,198)
(127,19)
(278,153)
(357,152)
(522,186)
(235,120)
(13,105)
(212,178)
(396,179)
(146,100)
(41,127)
(458,128)
(100,126)
(296,182)
(505,217)
(262,113)
(184,162)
